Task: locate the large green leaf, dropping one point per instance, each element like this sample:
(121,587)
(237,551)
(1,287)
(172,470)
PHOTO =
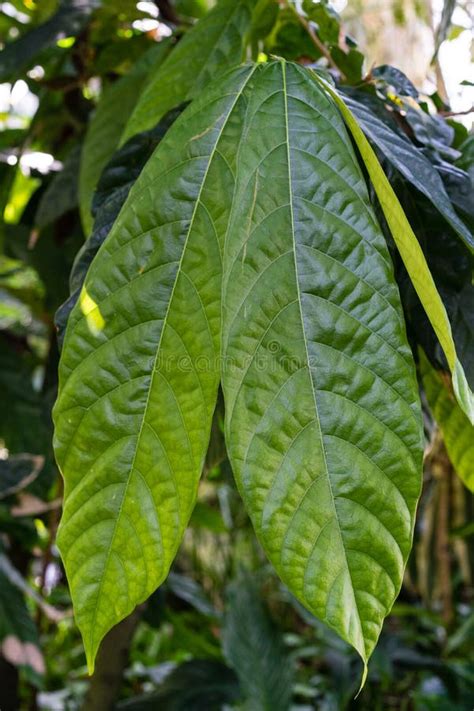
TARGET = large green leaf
(323,421)
(140,369)
(216,43)
(411,254)
(458,433)
(105,130)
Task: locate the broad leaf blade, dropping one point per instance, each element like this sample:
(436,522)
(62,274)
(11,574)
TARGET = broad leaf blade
(412,164)
(215,44)
(458,433)
(135,406)
(322,412)
(105,130)
(411,254)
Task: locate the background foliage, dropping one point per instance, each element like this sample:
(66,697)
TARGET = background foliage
(82,78)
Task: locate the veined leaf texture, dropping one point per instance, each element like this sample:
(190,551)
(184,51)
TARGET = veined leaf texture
(247,253)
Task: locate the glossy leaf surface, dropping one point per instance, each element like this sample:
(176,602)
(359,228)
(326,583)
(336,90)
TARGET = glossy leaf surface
(411,254)
(139,370)
(106,128)
(322,413)
(412,164)
(214,45)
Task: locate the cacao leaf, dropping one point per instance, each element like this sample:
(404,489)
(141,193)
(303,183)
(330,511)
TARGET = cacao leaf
(139,370)
(323,422)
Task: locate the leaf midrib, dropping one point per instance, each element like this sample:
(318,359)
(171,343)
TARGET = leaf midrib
(143,421)
(317,419)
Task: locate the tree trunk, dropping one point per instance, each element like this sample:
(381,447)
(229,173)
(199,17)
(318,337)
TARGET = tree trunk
(111,661)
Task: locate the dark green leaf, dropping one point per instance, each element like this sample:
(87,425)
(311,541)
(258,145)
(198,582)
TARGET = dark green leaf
(253,646)
(193,686)
(411,163)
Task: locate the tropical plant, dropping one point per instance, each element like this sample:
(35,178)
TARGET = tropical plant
(278,261)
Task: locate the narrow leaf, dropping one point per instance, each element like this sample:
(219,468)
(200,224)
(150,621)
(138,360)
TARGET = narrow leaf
(412,164)
(458,432)
(106,128)
(411,254)
(215,44)
(139,370)
(323,421)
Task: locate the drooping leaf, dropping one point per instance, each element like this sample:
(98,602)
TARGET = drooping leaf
(106,128)
(66,22)
(212,46)
(412,164)
(135,405)
(323,424)
(253,646)
(411,254)
(458,432)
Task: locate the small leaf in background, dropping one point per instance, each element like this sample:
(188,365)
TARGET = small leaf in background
(198,685)
(395,79)
(253,646)
(107,125)
(458,432)
(17,471)
(61,195)
(68,21)
(215,44)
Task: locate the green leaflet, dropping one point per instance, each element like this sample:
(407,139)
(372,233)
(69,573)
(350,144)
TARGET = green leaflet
(411,253)
(139,370)
(323,421)
(458,433)
(215,44)
(105,130)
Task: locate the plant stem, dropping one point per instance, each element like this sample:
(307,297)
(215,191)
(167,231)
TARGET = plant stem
(314,37)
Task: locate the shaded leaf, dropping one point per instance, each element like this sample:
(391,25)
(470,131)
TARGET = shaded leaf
(114,185)
(411,163)
(68,21)
(253,646)
(411,254)
(106,128)
(396,79)
(17,471)
(212,46)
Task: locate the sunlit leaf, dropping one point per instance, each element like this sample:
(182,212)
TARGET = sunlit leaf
(323,422)
(140,369)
